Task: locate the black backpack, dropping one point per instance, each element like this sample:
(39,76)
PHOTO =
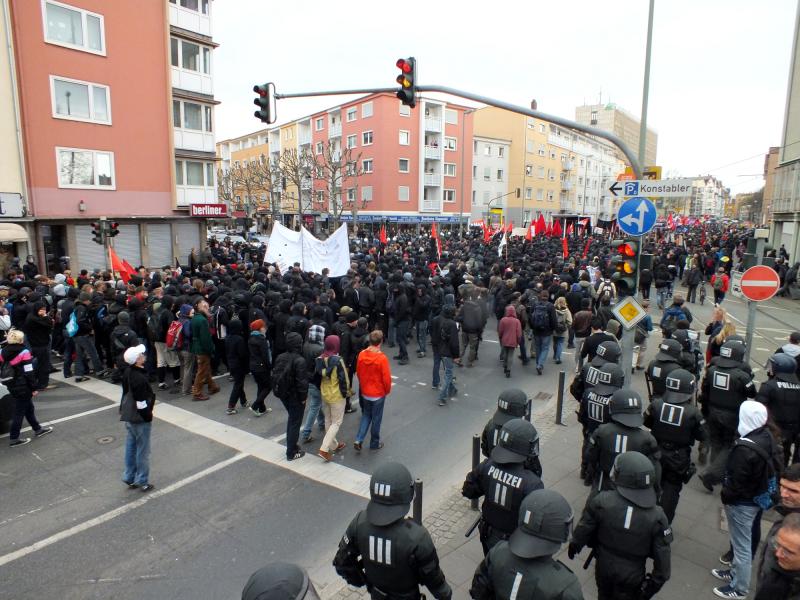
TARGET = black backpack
(540,316)
(282,380)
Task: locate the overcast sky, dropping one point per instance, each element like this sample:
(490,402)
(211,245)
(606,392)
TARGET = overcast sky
(718,76)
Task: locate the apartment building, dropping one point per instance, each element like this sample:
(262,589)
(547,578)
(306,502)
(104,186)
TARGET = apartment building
(709,197)
(117,122)
(771,162)
(490,174)
(615,119)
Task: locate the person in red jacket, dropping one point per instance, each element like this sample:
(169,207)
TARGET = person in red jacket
(509,333)
(720,282)
(374,384)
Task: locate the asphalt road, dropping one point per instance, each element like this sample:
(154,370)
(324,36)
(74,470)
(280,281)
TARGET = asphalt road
(226,500)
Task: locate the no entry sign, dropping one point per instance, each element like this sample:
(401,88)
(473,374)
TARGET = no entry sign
(760,283)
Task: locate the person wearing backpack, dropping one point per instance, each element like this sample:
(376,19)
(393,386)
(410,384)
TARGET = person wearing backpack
(754,462)
(122,338)
(260,364)
(563,326)
(674,313)
(543,323)
(38,329)
(166,358)
(19,377)
(334,388)
(290,385)
(720,282)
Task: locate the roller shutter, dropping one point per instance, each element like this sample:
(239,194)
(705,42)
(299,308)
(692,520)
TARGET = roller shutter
(90,255)
(128,243)
(159,243)
(188,235)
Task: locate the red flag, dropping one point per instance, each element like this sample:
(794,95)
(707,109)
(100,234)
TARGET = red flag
(120,266)
(128,266)
(548,231)
(487,234)
(529,233)
(586,248)
(584,222)
(557,231)
(510,226)
(383,234)
(540,226)
(670,222)
(564,247)
(703,236)
(435,236)
(570,229)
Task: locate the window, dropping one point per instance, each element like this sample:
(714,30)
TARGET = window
(351,194)
(189,56)
(449,169)
(405,138)
(499,174)
(206,60)
(366,164)
(486,197)
(551,175)
(366,138)
(403,193)
(474,198)
(366,193)
(85,168)
(474,171)
(179,172)
(449,195)
(539,194)
(540,172)
(563,158)
(487,150)
(542,150)
(191,116)
(402,165)
(549,195)
(501,151)
(487,173)
(528,170)
(528,193)
(319,124)
(366,109)
(352,141)
(450,143)
(405,111)
(209,174)
(541,128)
(529,147)
(207,118)
(531,123)
(74,28)
(80,101)
(318,148)
(173,51)
(552,155)
(451,116)
(194,173)
(352,114)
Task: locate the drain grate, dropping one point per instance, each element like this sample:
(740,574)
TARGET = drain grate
(543,396)
(106,439)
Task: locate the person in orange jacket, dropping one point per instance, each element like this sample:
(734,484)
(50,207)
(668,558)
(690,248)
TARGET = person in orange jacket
(374,385)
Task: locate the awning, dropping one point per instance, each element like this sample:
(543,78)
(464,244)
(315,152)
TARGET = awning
(11,232)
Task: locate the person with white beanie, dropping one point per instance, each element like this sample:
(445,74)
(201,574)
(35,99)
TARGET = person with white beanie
(755,459)
(136,410)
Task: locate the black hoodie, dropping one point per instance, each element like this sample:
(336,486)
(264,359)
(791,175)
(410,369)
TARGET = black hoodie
(38,329)
(236,348)
(293,360)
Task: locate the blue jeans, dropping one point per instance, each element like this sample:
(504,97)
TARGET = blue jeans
(558,347)
(523,351)
(371,415)
(69,349)
(402,334)
(314,412)
(137,453)
(740,525)
(661,296)
(422,335)
(447,388)
(84,344)
(542,343)
(437,360)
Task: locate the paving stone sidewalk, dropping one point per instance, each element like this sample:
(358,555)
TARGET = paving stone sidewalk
(700,535)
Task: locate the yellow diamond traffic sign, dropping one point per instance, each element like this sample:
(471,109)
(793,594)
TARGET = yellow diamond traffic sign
(628,312)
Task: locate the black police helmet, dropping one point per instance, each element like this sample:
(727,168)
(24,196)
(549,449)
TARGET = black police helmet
(731,354)
(608,351)
(682,336)
(279,581)
(625,407)
(669,350)
(680,386)
(610,378)
(518,440)
(391,489)
(781,364)
(511,404)
(634,475)
(545,521)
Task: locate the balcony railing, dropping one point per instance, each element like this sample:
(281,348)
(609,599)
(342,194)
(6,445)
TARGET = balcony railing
(304,138)
(434,152)
(568,165)
(566,205)
(335,130)
(566,185)
(433,124)
(433,179)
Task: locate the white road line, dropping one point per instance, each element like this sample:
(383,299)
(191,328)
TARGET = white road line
(69,418)
(121,510)
(763,349)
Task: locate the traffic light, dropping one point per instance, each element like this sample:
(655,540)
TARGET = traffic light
(113,229)
(407,80)
(266,112)
(626,266)
(97,232)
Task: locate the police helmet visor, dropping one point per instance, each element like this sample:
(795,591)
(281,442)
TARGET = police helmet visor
(385,514)
(504,455)
(605,384)
(664,354)
(525,545)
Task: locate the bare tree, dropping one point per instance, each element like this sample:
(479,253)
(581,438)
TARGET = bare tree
(335,167)
(225,187)
(296,167)
(249,181)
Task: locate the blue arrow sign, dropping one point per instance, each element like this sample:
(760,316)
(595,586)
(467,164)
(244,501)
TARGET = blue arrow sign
(636,216)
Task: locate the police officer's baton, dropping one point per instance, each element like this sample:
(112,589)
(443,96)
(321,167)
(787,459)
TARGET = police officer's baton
(473,527)
(589,559)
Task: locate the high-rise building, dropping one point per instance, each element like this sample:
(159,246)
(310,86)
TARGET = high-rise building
(117,123)
(614,119)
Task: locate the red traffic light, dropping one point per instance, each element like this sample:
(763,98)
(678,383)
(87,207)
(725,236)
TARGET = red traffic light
(626,250)
(404,65)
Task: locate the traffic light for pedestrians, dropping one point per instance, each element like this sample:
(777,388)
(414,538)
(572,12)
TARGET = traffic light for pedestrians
(626,266)
(407,80)
(97,232)
(113,229)
(265,101)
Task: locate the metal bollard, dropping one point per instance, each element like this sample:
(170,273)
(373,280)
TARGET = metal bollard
(416,509)
(476,458)
(560,400)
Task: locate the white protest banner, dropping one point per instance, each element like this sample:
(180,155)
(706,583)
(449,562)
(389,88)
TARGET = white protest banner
(284,248)
(333,253)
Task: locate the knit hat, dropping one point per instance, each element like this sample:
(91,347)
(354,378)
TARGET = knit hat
(257,324)
(60,278)
(132,354)
(186,310)
(351,317)
(345,310)
(123,317)
(59,290)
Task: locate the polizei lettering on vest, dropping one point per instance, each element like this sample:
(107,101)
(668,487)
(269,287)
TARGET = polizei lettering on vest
(505,478)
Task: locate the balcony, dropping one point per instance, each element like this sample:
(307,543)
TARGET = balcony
(566,185)
(189,19)
(566,206)
(304,138)
(335,130)
(433,124)
(433,179)
(568,165)
(434,152)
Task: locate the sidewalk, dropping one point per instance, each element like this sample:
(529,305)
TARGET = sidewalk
(699,527)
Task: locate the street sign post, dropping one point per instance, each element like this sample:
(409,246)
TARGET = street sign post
(760,283)
(664,188)
(636,216)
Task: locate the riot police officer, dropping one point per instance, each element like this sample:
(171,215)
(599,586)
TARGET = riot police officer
(625,526)
(666,361)
(722,391)
(383,550)
(511,404)
(593,410)
(523,566)
(607,352)
(781,395)
(675,423)
(690,357)
(504,481)
(622,434)
(279,580)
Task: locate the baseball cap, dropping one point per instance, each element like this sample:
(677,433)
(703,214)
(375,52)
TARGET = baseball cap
(132,354)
